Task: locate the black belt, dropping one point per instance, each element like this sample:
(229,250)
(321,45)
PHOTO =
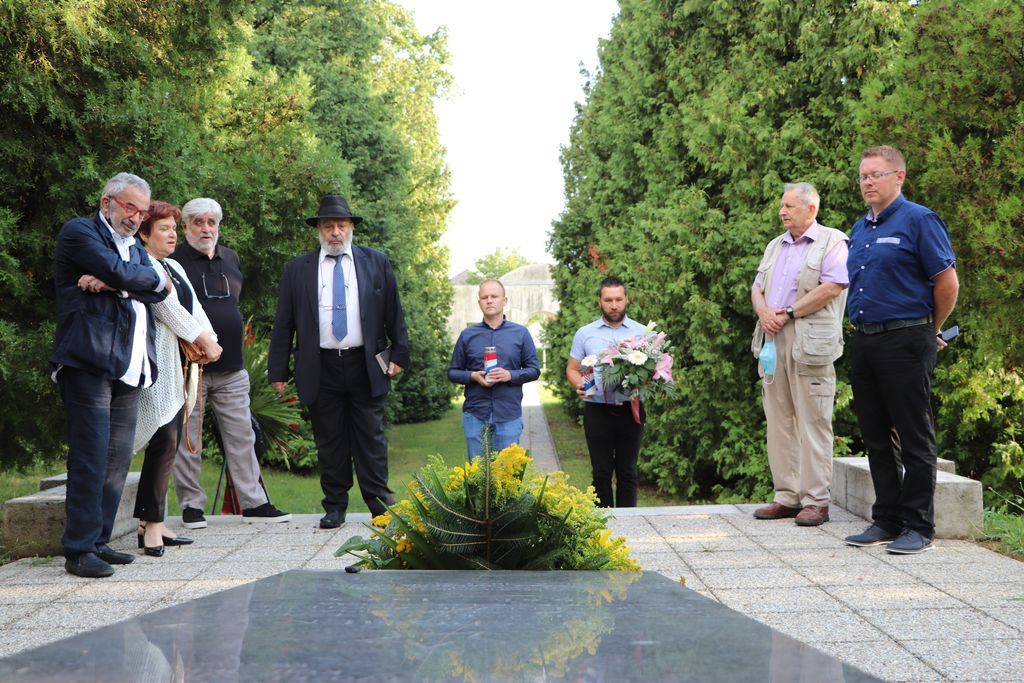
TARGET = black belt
(890,325)
(341,352)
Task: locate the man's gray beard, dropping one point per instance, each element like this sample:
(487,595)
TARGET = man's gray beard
(332,250)
(198,243)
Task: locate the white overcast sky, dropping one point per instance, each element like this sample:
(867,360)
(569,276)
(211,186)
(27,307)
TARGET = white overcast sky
(516,69)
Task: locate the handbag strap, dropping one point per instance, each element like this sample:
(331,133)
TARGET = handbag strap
(193,449)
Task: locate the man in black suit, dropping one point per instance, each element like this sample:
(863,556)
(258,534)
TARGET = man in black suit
(104,350)
(340,304)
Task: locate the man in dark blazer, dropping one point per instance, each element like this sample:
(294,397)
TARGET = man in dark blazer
(103,352)
(340,305)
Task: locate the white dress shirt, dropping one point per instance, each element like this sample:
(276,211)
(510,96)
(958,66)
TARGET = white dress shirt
(139,373)
(325,287)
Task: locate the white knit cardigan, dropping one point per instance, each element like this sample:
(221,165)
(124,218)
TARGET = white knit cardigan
(160,402)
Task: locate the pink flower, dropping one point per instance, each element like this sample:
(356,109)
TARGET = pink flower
(609,359)
(663,368)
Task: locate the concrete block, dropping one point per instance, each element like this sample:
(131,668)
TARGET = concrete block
(54,481)
(958,500)
(34,524)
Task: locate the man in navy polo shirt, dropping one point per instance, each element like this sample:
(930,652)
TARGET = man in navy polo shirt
(903,286)
(493,399)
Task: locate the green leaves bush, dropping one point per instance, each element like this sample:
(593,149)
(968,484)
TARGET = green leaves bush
(699,113)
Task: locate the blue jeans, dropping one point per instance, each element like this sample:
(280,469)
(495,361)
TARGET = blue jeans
(101,417)
(500,434)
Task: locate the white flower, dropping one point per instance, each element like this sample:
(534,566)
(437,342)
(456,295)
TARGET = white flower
(637,357)
(589,362)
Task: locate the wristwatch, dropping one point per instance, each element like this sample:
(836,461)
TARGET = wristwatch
(789,312)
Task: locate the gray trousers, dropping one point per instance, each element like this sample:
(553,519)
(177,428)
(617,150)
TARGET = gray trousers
(228,394)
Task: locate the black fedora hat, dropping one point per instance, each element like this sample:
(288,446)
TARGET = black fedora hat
(333,206)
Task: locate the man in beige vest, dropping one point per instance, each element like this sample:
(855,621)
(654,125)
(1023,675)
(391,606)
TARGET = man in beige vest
(799,296)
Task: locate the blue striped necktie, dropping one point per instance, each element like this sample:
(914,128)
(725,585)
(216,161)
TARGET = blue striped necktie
(339,323)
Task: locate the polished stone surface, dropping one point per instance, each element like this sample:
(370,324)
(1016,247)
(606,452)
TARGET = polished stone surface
(328,625)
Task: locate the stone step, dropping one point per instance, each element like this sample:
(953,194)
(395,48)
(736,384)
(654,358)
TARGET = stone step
(958,501)
(34,524)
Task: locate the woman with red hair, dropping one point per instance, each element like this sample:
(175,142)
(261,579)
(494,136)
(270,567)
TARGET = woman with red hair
(163,407)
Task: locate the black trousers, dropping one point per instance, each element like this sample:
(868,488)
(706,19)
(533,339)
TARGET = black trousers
(613,439)
(151,501)
(892,388)
(348,426)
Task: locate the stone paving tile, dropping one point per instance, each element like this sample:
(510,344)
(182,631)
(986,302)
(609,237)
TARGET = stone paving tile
(102,591)
(935,624)
(31,593)
(1011,616)
(805,539)
(849,574)
(837,555)
(14,640)
(809,599)
(945,552)
(272,554)
(882,658)
(993,570)
(898,596)
(815,626)
(992,660)
(988,594)
(193,554)
(247,570)
(152,569)
(676,510)
(9,613)
(72,615)
(757,577)
(200,587)
(710,543)
(724,559)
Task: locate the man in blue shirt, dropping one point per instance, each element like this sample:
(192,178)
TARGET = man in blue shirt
(493,399)
(613,435)
(903,286)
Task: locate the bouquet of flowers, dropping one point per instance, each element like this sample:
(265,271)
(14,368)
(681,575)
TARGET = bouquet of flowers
(494,512)
(638,366)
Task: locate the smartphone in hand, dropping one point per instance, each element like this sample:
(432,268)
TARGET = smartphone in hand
(950,334)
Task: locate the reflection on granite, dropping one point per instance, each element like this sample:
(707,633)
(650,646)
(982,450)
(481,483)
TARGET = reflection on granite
(437,626)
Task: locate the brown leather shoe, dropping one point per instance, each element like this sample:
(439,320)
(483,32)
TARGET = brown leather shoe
(812,515)
(775,511)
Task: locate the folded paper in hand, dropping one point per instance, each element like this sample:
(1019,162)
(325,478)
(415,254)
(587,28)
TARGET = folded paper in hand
(384,359)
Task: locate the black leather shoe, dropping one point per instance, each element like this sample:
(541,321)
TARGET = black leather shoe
(89,566)
(332,520)
(158,551)
(111,556)
(168,540)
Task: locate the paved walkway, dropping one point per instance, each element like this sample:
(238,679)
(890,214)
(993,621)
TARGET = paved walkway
(536,436)
(956,613)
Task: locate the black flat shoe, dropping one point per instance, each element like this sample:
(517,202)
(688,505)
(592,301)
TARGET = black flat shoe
(154,552)
(168,540)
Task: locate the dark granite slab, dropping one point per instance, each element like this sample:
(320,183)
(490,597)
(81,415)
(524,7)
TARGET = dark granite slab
(437,626)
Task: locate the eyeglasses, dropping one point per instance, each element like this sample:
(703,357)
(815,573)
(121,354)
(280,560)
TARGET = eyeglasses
(873,177)
(132,210)
(225,287)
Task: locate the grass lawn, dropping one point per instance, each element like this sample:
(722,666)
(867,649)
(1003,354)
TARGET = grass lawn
(408,447)
(571,446)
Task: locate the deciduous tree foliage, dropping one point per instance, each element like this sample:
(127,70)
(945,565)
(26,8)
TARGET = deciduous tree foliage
(182,94)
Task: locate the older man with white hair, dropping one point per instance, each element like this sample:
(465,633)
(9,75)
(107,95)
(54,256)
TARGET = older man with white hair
(215,272)
(104,350)
(799,295)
